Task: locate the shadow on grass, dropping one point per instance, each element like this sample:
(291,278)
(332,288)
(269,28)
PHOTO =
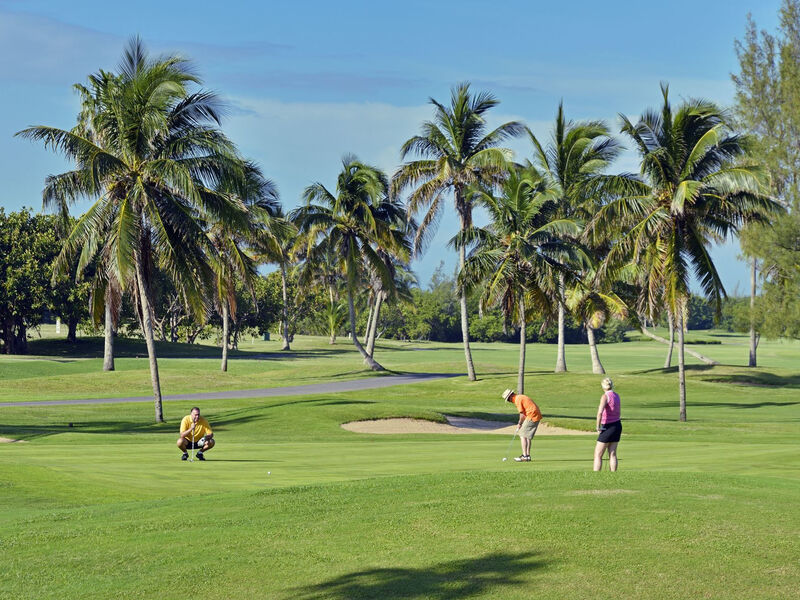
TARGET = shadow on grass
(92,347)
(444,581)
(689,368)
(757,379)
(220,421)
(737,405)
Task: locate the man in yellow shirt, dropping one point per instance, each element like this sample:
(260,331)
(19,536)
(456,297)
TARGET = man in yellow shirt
(529,417)
(195,434)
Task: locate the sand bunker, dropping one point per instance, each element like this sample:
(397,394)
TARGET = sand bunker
(9,441)
(455,425)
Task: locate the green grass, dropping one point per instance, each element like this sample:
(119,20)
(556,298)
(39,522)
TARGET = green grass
(104,508)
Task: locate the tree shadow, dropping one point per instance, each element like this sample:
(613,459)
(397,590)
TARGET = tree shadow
(757,380)
(699,368)
(444,581)
(220,421)
(92,347)
(737,405)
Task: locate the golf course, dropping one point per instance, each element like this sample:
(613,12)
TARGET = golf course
(97,503)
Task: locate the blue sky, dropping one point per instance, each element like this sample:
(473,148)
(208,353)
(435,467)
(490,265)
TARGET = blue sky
(307,82)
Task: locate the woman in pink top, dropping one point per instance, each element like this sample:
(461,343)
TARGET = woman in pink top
(609,426)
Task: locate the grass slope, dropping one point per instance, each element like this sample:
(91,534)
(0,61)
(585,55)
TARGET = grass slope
(289,505)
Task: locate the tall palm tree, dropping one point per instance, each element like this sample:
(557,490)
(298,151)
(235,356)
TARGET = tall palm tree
(321,270)
(573,164)
(522,249)
(350,223)
(274,242)
(456,151)
(698,186)
(152,167)
(235,245)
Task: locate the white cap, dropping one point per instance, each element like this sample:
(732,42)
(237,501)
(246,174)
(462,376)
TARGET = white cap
(506,394)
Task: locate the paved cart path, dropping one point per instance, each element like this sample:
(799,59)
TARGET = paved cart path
(354,385)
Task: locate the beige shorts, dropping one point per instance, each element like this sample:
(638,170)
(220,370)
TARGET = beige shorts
(528,429)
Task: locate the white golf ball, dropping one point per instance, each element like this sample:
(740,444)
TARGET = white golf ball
(269,472)
(505,459)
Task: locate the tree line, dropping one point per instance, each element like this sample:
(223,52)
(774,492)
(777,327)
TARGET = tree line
(180,221)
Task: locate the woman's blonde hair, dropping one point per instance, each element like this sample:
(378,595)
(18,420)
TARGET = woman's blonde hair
(607,384)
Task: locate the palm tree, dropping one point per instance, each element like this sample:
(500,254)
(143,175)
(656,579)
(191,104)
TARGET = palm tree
(320,269)
(697,188)
(348,223)
(457,151)
(274,243)
(522,249)
(235,245)
(573,164)
(593,300)
(152,167)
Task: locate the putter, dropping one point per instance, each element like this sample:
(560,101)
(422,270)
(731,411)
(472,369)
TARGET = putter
(505,458)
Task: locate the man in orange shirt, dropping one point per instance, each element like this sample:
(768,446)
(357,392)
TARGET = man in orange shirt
(529,417)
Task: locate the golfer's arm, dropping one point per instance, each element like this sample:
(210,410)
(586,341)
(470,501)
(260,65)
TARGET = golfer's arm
(600,411)
(521,419)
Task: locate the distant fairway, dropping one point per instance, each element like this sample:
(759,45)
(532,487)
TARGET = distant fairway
(104,508)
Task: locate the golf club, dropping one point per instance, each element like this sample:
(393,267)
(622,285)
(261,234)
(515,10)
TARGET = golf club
(505,458)
(191,441)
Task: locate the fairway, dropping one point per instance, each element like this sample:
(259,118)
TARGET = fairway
(97,503)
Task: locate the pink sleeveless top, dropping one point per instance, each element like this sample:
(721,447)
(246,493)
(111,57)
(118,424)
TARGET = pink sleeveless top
(611,410)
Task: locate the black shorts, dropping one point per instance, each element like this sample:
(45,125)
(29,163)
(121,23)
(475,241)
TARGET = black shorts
(610,432)
(198,445)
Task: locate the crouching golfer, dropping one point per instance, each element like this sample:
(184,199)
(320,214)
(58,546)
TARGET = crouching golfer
(529,417)
(195,434)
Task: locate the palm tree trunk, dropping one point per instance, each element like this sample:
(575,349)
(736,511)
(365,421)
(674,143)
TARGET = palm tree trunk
(462,259)
(597,366)
(373,334)
(368,329)
(752,362)
(368,360)
(332,326)
(147,328)
(561,360)
(671,324)
(697,355)
(225,335)
(108,345)
(681,367)
(522,347)
(285,313)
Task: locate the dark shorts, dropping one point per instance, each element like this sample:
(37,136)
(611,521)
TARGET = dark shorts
(610,432)
(198,445)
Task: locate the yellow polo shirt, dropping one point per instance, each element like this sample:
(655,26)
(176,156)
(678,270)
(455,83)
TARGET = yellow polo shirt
(201,429)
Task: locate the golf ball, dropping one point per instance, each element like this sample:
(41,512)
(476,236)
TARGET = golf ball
(505,459)
(269,472)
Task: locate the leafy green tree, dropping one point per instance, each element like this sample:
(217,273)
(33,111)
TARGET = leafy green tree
(697,187)
(768,107)
(456,151)
(28,246)
(152,167)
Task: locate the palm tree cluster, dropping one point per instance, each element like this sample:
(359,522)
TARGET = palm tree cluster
(565,235)
(171,194)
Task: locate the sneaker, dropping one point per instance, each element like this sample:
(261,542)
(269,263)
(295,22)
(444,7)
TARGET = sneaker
(521,458)
(527,459)
(201,457)
(185,456)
